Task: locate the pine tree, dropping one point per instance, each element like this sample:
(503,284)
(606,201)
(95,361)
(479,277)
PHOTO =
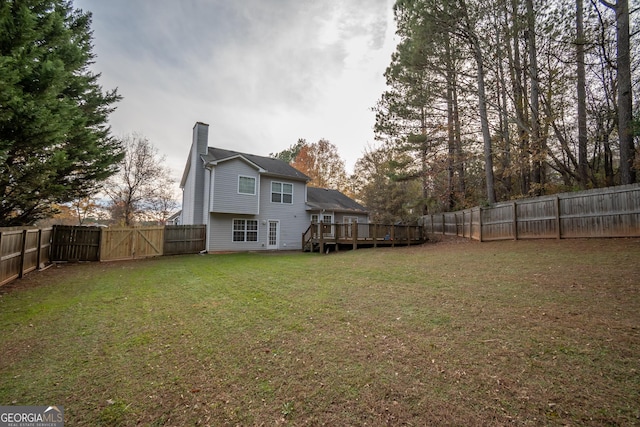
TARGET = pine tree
(55,143)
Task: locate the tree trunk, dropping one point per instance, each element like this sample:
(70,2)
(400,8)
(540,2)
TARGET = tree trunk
(460,158)
(482,105)
(516,74)
(450,129)
(504,119)
(534,103)
(625,103)
(583,166)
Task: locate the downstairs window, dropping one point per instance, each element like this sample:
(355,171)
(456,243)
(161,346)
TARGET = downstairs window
(245,230)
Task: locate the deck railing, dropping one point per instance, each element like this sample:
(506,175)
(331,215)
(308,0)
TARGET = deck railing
(320,235)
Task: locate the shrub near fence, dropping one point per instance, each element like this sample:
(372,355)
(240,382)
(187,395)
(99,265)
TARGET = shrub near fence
(605,212)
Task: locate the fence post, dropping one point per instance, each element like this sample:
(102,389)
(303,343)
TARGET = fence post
(39,248)
(515,221)
(22,252)
(463,224)
(100,245)
(53,248)
(558,231)
(480,222)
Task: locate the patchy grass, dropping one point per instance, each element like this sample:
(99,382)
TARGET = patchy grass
(528,332)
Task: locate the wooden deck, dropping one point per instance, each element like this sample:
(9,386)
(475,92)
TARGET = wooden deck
(321,237)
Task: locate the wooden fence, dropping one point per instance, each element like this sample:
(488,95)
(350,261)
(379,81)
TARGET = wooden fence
(24,249)
(605,212)
(117,244)
(73,243)
(184,239)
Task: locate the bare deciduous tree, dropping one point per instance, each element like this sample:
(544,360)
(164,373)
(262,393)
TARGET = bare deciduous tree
(140,183)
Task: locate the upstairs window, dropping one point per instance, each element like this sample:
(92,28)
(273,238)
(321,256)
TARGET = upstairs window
(281,192)
(247,185)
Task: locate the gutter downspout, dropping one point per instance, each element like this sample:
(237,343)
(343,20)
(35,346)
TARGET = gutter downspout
(206,214)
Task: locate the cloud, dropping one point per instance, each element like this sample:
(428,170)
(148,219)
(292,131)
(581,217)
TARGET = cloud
(262,73)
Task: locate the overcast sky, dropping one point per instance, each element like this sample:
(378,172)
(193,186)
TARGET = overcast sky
(261,73)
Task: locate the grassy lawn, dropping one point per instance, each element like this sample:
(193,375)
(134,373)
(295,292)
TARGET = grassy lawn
(449,333)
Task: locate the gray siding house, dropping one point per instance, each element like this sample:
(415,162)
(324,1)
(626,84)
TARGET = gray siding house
(251,202)
(331,206)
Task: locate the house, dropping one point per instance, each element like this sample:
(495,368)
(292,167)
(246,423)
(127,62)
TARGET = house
(251,202)
(174,219)
(331,206)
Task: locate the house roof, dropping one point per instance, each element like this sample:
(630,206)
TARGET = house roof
(332,200)
(268,165)
(174,216)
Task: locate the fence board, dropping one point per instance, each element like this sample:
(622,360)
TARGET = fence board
(31,239)
(10,255)
(44,254)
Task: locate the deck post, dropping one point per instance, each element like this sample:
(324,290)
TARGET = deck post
(310,235)
(354,232)
(393,235)
(321,236)
(375,235)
